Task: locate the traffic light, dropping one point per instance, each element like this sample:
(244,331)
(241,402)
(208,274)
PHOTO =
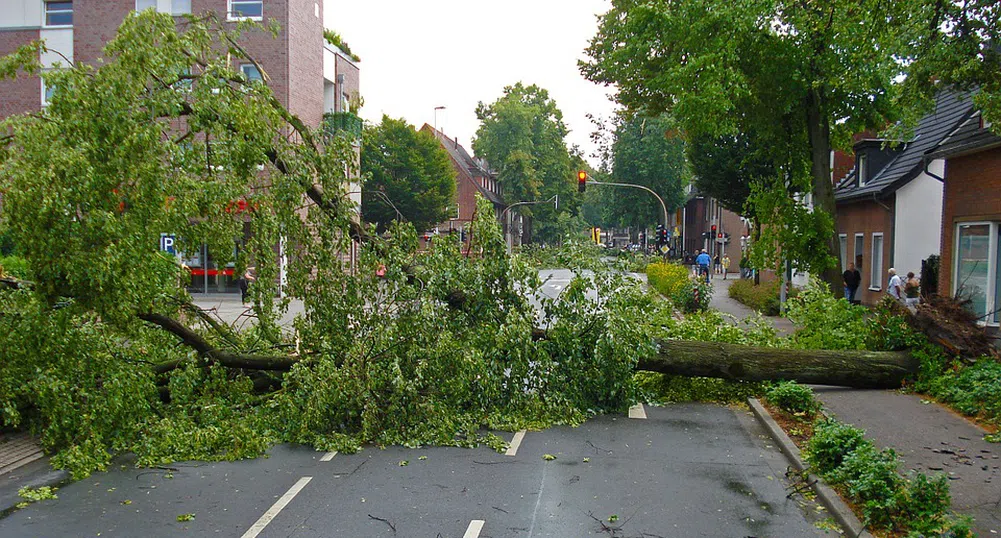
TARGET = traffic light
(581,180)
(714,229)
(663,239)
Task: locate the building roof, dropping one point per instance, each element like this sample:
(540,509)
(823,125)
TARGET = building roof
(969,137)
(951,109)
(474,167)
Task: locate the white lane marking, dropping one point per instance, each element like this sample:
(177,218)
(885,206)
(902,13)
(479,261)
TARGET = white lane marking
(474,528)
(637,411)
(328,456)
(279,505)
(512,449)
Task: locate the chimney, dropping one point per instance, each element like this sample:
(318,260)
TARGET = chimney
(456,142)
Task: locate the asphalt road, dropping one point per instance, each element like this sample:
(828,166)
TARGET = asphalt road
(685,470)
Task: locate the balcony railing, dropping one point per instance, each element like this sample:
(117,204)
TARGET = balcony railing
(342,124)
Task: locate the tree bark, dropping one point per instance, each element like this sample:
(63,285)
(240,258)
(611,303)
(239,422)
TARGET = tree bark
(819,133)
(857,369)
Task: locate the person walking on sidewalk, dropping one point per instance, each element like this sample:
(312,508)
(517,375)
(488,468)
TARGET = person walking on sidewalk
(703,260)
(716,264)
(912,290)
(726,265)
(896,287)
(852,278)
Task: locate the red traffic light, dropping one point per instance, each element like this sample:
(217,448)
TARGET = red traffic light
(581,180)
(720,236)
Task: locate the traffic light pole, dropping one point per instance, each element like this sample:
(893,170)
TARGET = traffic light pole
(663,207)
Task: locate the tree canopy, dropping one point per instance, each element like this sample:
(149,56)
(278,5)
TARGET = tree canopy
(648,152)
(725,167)
(802,77)
(522,135)
(411,169)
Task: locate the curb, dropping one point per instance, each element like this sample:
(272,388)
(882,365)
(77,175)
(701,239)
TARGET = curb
(828,497)
(35,475)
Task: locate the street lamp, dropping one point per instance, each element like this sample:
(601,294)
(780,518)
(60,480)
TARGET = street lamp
(436,109)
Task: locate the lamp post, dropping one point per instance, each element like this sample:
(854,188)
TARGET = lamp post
(509,238)
(436,109)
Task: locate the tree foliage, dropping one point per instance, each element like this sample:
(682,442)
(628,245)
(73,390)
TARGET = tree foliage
(105,352)
(725,167)
(645,151)
(801,77)
(523,134)
(411,169)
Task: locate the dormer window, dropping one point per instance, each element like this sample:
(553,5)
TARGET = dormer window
(861,169)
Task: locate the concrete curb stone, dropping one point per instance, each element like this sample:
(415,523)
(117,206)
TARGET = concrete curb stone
(828,497)
(36,474)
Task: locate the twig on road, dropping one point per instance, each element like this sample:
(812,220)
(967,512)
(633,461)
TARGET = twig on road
(386,521)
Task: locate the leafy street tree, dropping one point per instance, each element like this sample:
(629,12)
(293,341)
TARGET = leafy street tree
(801,76)
(523,134)
(725,167)
(645,152)
(411,169)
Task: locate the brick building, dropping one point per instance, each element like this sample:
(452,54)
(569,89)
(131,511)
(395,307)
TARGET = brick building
(313,79)
(702,213)
(474,176)
(971,216)
(889,206)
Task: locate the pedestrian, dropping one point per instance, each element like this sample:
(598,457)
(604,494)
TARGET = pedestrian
(703,261)
(743,266)
(912,290)
(852,278)
(895,288)
(244,283)
(726,265)
(716,264)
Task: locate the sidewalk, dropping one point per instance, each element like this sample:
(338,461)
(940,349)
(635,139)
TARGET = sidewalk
(721,301)
(931,439)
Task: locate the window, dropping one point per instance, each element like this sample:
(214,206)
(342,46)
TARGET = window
(251,72)
(246,9)
(861,169)
(976,276)
(876,269)
(843,243)
(58,13)
(859,249)
(145,4)
(180,7)
(47,91)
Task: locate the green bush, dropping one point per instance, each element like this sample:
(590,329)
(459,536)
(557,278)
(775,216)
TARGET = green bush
(926,502)
(826,322)
(762,298)
(13,266)
(694,297)
(793,398)
(974,390)
(870,477)
(831,443)
(667,278)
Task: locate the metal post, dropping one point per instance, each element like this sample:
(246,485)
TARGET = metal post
(555,199)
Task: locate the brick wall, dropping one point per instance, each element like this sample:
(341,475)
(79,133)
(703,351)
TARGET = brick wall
(305,60)
(972,193)
(868,217)
(24,93)
(95,22)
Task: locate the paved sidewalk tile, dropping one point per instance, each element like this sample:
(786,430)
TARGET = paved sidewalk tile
(932,439)
(721,301)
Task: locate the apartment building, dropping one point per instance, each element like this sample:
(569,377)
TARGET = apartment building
(313,79)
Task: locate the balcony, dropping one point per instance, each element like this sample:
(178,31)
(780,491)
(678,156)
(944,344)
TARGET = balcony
(342,124)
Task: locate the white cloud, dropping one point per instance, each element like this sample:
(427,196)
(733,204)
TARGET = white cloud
(417,55)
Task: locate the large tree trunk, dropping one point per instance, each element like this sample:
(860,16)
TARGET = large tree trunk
(858,369)
(819,132)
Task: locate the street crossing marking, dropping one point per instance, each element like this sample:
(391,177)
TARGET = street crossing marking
(474,528)
(279,505)
(637,411)
(512,449)
(328,456)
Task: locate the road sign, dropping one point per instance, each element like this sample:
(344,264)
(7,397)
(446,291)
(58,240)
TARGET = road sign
(167,242)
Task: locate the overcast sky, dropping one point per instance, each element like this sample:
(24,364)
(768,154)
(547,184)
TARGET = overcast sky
(419,54)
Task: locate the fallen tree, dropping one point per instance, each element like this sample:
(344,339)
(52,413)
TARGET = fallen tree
(857,369)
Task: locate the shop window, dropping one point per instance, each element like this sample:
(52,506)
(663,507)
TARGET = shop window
(976,268)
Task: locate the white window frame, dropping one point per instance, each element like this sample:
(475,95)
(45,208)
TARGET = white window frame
(994,320)
(233,17)
(154,6)
(876,271)
(175,12)
(45,14)
(861,168)
(45,99)
(856,250)
(243,69)
(843,245)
